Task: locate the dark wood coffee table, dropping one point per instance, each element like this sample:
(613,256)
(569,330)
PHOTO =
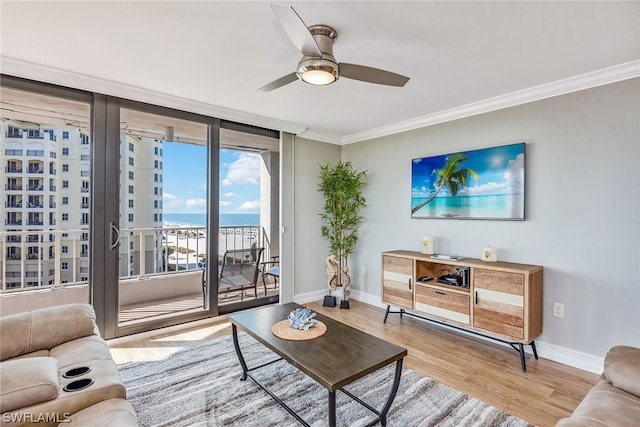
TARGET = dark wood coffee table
(337,358)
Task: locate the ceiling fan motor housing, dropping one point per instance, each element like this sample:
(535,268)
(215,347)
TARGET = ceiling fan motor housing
(324,37)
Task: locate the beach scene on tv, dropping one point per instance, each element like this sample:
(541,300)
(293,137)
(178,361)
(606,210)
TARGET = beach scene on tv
(478,184)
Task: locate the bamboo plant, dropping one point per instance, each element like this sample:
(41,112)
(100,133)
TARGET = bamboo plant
(342,187)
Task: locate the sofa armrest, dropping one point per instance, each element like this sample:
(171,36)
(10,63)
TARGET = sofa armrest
(45,328)
(26,382)
(622,368)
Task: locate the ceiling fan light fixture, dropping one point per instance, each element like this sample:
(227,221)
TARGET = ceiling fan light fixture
(317,71)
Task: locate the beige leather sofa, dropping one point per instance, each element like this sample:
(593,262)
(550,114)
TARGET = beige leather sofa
(41,383)
(615,399)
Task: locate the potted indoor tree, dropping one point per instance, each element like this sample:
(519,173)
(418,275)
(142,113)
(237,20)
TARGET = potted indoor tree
(341,186)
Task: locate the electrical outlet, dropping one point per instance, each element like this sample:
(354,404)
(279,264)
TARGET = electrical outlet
(558,310)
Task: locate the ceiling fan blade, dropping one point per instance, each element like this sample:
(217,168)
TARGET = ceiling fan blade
(289,78)
(296,29)
(372,75)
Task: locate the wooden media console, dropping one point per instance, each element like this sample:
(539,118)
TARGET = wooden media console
(498,300)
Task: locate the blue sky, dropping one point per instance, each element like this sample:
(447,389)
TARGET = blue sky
(185,177)
(501,171)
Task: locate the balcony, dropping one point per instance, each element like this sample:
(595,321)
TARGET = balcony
(35,187)
(13,187)
(13,204)
(13,170)
(167,270)
(36,170)
(13,221)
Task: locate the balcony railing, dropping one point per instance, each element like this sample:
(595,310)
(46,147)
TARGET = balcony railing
(13,187)
(13,170)
(154,251)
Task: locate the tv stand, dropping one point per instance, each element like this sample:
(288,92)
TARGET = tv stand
(498,300)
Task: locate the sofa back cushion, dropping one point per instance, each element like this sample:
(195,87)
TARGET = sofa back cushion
(622,368)
(45,328)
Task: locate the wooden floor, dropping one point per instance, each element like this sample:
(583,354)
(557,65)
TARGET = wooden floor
(485,370)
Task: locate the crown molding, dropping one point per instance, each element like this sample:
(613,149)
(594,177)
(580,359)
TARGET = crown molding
(29,70)
(577,83)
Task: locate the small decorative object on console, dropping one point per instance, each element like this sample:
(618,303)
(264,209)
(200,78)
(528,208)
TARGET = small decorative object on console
(427,245)
(300,318)
(489,254)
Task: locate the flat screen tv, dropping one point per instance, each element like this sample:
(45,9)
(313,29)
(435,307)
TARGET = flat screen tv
(478,184)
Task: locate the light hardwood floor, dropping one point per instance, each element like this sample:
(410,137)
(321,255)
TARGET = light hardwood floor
(483,369)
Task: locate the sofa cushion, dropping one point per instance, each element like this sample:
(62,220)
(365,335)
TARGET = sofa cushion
(40,329)
(112,412)
(622,368)
(81,352)
(26,382)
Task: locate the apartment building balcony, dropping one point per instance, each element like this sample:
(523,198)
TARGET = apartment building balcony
(35,153)
(35,171)
(13,187)
(13,204)
(12,222)
(13,170)
(35,222)
(35,187)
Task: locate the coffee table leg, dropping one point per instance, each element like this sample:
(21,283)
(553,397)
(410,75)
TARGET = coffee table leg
(332,409)
(392,395)
(243,364)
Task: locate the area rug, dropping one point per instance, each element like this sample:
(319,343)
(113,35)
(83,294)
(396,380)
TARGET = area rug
(200,386)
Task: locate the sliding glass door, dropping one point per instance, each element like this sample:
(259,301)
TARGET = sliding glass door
(161,235)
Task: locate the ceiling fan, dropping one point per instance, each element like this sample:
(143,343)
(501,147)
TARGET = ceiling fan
(318,66)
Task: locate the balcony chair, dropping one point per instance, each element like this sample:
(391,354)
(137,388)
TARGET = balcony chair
(273,271)
(238,271)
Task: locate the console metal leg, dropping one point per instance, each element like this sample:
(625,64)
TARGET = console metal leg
(401,312)
(236,345)
(522,361)
(386,313)
(533,348)
(332,409)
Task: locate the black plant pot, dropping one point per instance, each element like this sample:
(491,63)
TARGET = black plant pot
(329,301)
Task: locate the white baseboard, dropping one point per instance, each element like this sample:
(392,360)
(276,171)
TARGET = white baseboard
(548,351)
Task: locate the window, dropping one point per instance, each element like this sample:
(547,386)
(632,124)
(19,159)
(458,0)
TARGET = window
(131,161)
(131,245)
(131,217)
(65,217)
(65,167)
(65,134)
(155,177)
(131,147)
(155,150)
(155,217)
(64,266)
(155,190)
(84,139)
(130,174)
(131,189)
(65,249)
(155,164)
(130,203)
(155,204)
(65,151)
(65,200)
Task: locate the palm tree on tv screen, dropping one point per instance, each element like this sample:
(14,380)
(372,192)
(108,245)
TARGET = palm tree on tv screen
(452,176)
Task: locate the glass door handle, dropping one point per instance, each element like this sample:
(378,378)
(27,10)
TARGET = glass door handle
(116,231)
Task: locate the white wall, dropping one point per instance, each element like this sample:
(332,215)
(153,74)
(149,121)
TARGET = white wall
(582,211)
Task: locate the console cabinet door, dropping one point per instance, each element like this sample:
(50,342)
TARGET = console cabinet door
(397,281)
(499,302)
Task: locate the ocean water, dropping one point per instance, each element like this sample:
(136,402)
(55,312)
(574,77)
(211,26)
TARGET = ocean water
(200,220)
(507,206)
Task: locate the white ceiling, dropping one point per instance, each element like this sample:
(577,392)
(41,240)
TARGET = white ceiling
(211,57)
